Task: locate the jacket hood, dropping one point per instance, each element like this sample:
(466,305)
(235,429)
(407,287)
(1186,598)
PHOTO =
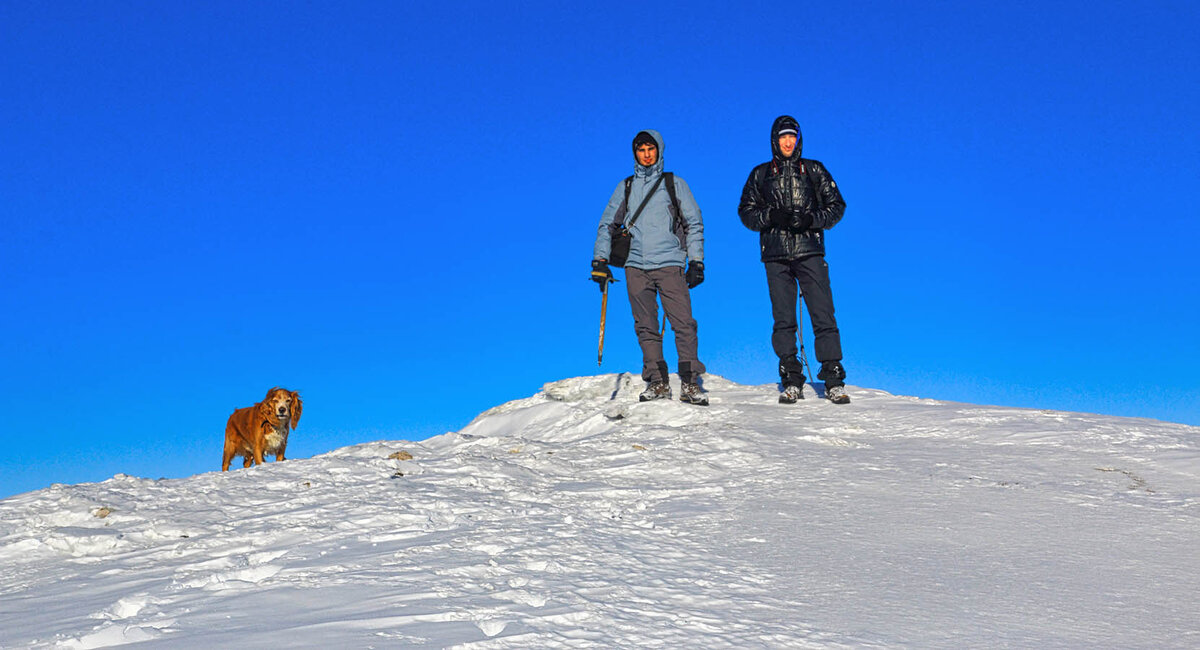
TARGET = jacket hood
(658,164)
(780,123)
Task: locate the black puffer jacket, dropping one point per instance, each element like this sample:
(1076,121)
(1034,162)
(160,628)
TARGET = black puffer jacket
(785,183)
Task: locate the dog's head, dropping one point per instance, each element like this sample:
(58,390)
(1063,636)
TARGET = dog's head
(282,407)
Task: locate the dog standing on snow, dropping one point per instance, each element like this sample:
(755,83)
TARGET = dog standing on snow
(254,431)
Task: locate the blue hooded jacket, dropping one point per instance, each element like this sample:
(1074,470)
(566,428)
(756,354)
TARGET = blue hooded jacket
(654,244)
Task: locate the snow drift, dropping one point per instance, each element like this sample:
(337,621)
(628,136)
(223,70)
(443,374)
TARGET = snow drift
(579,517)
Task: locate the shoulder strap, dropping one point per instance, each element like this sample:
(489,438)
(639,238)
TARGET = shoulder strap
(812,182)
(669,179)
(624,209)
(645,200)
(679,225)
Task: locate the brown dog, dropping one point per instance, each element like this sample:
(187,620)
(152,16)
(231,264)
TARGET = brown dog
(255,431)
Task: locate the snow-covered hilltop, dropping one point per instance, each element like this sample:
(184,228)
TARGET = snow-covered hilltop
(581,518)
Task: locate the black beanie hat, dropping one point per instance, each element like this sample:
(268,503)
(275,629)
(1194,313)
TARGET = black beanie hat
(644,138)
(786,124)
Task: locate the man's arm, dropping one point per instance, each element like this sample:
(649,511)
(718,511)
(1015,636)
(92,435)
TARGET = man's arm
(603,236)
(753,209)
(691,215)
(829,198)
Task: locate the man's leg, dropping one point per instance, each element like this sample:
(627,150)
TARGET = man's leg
(813,274)
(677,303)
(643,299)
(781,285)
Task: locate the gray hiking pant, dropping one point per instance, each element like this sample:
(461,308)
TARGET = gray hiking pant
(644,289)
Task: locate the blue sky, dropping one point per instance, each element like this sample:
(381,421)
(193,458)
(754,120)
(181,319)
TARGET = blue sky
(390,207)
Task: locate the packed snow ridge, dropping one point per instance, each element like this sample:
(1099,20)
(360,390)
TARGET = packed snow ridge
(581,518)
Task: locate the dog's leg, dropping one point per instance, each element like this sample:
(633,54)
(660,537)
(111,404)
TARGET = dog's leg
(260,443)
(228,454)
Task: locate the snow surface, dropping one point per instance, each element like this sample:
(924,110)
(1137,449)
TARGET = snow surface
(581,518)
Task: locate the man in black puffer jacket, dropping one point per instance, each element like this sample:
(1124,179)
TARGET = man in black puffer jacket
(791,202)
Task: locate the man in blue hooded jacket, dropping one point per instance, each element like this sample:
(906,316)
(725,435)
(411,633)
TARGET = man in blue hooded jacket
(791,201)
(666,239)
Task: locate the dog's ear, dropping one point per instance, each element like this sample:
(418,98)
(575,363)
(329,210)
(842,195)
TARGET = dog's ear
(264,410)
(297,407)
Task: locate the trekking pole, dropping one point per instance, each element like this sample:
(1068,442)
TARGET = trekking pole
(804,367)
(603,313)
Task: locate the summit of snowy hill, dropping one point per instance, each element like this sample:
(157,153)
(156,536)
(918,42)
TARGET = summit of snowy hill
(581,518)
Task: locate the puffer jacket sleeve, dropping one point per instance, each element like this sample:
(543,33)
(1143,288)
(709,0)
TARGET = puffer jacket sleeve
(753,207)
(829,197)
(603,235)
(691,215)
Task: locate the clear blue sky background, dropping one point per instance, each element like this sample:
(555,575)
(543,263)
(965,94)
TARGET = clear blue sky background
(390,206)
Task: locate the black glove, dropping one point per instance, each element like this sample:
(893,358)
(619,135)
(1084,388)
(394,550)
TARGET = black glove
(801,219)
(695,274)
(779,217)
(601,273)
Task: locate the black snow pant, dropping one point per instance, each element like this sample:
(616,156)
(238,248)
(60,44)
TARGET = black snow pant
(645,286)
(811,276)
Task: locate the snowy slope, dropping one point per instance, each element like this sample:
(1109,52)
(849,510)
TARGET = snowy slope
(581,518)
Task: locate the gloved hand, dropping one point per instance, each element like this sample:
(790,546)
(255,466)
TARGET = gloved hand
(779,217)
(601,274)
(695,274)
(800,219)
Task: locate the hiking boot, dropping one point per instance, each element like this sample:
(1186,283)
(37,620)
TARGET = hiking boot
(692,394)
(655,390)
(791,393)
(837,394)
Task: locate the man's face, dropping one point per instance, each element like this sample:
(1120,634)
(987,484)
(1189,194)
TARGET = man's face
(787,144)
(647,154)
